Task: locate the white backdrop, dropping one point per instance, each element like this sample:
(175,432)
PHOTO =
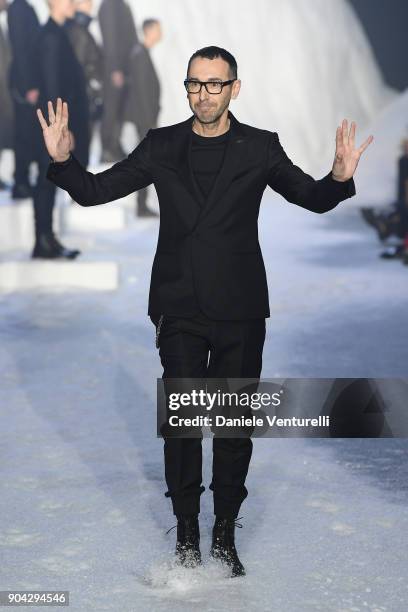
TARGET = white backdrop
(304,65)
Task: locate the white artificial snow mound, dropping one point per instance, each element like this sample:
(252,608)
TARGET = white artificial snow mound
(303,65)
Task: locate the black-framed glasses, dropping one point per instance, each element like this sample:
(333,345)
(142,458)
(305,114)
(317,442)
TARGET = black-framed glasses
(212,87)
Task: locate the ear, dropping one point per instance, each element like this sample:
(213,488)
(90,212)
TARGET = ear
(236,88)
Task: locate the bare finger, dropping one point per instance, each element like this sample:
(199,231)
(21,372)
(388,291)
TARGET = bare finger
(51,114)
(41,119)
(64,113)
(339,140)
(365,144)
(345,132)
(58,113)
(352,134)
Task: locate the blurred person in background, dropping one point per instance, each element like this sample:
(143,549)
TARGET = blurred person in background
(6,106)
(60,74)
(89,55)
(24,28)
(143,100)
(393,221)
(119,37)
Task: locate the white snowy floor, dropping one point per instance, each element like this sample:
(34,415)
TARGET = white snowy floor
(82,501)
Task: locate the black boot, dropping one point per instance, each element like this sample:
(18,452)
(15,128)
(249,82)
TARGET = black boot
(378,221)
(21,192)
(188,541)
(64,251)
(223,545)
(48,247)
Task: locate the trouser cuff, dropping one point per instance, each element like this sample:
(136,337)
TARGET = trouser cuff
(186,504)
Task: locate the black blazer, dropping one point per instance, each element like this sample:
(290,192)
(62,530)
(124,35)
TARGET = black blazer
(119,34)
(24,29)
(143,98)
(61,74)
(208,254)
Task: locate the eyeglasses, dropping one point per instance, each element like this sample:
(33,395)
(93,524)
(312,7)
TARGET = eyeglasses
(212,87)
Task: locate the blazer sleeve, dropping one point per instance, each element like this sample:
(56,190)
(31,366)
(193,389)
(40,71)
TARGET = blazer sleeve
(299,188)
(124,177)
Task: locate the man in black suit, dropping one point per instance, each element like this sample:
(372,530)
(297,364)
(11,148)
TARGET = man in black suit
(24,29)
(59,73)
(143,100)
(119,35)
(89,55)
(208,293)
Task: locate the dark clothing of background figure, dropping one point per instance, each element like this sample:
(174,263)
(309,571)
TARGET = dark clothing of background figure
(24,28)
(119,37)
(60,75)
(402,202)
(208,255)
(89,54)
(141,195)
(6,106)
(208,259)
(235,350)
(143,100)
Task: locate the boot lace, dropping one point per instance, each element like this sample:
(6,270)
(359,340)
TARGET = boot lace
(235,523)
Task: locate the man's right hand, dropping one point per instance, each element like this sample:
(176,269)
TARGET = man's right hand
(57,136)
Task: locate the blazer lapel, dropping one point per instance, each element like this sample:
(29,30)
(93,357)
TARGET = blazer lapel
(233,159)
(232,163)
(183,162)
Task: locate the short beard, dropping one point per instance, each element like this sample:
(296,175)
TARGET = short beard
(215,119)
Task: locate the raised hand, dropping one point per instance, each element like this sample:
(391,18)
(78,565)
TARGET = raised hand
(57,137)
(347,156)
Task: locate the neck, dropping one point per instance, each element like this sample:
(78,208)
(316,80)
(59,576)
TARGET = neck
(216,128)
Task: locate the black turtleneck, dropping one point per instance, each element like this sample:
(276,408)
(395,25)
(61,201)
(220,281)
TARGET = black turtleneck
(207,154)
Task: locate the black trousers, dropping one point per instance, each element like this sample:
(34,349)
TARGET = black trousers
(113,116)
(45,190)
(25,140)
(199,347)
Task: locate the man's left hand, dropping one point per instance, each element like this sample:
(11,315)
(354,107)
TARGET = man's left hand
(347,156)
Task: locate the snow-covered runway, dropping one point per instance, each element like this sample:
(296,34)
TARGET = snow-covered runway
(82,483)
